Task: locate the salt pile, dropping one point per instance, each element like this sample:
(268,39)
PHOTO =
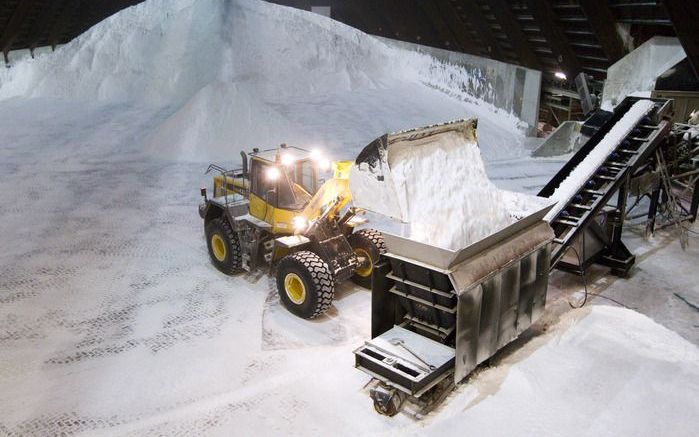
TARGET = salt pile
(605,371)
(235,74)
(598,155)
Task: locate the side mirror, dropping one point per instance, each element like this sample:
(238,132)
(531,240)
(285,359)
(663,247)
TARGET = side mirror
(202,190)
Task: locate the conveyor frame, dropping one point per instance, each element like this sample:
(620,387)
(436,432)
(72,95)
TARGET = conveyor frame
(576,221)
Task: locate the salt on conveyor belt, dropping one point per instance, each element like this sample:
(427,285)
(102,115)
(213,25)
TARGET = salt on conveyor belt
(597,156)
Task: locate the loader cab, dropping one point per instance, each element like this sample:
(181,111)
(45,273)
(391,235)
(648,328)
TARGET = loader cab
(282,183)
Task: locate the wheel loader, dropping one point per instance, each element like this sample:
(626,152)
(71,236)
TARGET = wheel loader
(275,212)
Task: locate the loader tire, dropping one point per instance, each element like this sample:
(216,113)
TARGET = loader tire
(305,284)
(366,243)
(224,246)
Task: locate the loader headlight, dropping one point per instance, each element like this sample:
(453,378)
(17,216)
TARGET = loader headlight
(322,162)
(287,159)
(300,223)
(272,173)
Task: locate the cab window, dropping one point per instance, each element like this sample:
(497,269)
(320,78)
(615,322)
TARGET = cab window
(261,184)
(305,176)
(291,194)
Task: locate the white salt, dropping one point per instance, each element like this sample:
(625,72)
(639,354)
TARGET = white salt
(450,201)
(231,75)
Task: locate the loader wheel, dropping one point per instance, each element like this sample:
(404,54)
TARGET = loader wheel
(305,284)
(224,246)
(367,244)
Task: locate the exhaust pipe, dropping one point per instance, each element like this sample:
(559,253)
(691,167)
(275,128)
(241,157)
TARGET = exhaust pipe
(244,156)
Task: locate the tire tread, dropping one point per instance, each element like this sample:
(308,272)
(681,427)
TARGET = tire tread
(236,256)
(320,274)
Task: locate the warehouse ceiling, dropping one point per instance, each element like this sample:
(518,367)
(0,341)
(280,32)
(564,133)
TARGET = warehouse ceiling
(28,24)
(554,36)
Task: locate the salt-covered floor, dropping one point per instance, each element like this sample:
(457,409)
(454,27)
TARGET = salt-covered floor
(112,319)
(113,322)
(663,284)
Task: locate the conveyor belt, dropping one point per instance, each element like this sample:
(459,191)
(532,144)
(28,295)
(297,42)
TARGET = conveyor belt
(609,177)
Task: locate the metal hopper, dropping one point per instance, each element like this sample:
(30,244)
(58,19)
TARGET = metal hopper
(438,313)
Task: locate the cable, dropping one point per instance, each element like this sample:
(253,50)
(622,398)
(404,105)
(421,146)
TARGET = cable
(638,200)
(610,299)
(672,202)
(669,221)
(587,293)
(582,274)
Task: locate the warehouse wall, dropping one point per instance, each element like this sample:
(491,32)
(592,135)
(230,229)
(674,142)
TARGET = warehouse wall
(509,87)
(637,71)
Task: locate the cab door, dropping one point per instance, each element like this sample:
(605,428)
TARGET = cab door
(262,191)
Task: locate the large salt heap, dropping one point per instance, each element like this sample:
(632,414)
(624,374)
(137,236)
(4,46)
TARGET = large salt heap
(240,73)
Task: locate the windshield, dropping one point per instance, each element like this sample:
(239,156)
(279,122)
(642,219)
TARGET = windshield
(296,186)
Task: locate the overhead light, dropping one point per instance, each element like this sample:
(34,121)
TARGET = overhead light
(561,75)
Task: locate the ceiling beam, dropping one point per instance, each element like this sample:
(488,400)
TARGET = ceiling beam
(436,19)
(41,25)
(515,35)
(11,31)
(413,24)
(471,12)
(446,37)
(92,12)
(685,16)
(548,23)
(62,22)
(370,11)
(358,15)
(602,22)
(458,28)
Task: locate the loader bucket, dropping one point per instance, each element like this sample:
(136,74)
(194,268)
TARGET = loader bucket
(372,186)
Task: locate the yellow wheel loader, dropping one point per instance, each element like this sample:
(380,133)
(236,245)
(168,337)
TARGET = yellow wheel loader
(275,212)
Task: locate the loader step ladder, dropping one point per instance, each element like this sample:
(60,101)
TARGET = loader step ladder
(610,177)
